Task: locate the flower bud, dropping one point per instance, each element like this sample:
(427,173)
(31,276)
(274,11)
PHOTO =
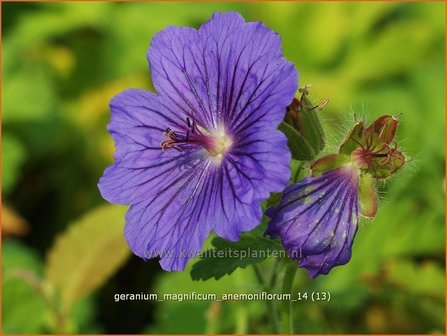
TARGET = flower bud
(303,128)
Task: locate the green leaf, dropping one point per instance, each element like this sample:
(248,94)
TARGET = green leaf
(29,95)
(84,256)
(227,256)
(24,310)
(13,155)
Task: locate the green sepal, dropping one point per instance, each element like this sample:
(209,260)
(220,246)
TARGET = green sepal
(382,168)
(380,132)
(329,162)
(354,140)
(372,148)
(297,171)
(296,143)
(303,128)
(368,196)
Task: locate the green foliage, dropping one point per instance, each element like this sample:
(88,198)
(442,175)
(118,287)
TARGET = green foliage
(227,256)
(201,316)
(28,95)
(13,155)
(21,273)
(95,246)
(73,269)
(62,62)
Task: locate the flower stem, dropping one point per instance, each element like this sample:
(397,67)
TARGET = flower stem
(212,318)
(287,316)
(259,276)
(274,275)
(271,309)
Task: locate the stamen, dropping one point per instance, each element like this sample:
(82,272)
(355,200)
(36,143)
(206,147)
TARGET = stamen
(322,105)
(305,90)
(216,142)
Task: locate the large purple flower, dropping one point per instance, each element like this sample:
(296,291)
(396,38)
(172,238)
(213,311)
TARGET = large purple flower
(317,219)
(204,152)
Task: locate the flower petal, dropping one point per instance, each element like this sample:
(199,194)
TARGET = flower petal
(317,220)
(262,161)
(228,72)
(174,223)
(136,126)
(231,76)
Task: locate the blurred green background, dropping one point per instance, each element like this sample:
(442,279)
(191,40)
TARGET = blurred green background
(63,251)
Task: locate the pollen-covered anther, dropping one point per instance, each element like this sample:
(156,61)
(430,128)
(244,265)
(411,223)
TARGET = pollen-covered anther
(171,140)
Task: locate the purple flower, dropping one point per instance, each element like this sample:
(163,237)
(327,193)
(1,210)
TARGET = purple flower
(204,152)
(317,219)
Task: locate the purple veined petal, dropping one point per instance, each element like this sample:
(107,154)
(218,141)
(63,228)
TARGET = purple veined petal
(317,220)
(136,125)
(174,223)
(261,156)
(168,224)
(228,72)
(203,153)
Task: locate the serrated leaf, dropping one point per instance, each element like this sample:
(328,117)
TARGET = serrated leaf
(86,254)
(227,256)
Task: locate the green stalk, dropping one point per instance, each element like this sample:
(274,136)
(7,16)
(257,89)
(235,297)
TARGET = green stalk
(287,308)
(271,309)
(274,275)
